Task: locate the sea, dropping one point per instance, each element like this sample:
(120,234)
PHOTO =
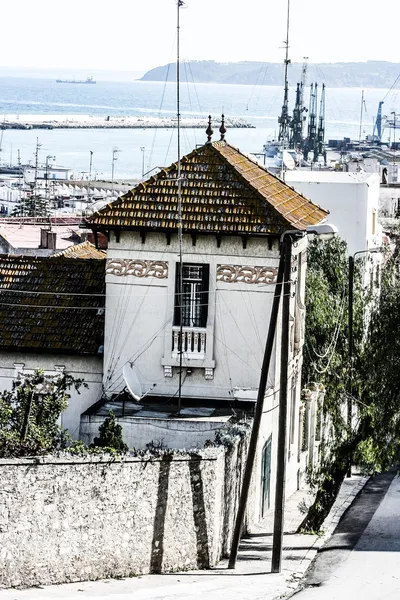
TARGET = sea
(143,150)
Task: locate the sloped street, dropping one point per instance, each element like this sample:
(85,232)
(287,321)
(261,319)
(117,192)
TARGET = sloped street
(362,559)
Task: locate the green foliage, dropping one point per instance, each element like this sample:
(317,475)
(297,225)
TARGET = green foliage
(326,361)
(34,205)
(379,370)
(326,333)
(110,437)
(29,414)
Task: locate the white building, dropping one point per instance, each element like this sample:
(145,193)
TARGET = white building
(233,214)
(352,200)
(67,338)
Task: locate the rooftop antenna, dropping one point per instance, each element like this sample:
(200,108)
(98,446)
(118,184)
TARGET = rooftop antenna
(284,118)
(179,4)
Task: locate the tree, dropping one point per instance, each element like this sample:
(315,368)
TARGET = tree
(326,361)
(110,437)
(34,205)
(29,414)
(379,369)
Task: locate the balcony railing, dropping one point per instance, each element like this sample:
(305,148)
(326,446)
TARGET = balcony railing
(194,342)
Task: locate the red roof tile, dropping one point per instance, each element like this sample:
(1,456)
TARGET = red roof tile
(223,191)
(51,304)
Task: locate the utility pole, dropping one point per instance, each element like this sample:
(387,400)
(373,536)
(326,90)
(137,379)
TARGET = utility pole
(361,116)
(179,4)
(90,176)
(282,433)
(251,454)
(350,351)
(36,176)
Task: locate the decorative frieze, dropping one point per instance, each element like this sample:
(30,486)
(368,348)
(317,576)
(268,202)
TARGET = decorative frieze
(246,274)
(137,268)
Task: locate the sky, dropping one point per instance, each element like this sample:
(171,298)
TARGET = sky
(137,35)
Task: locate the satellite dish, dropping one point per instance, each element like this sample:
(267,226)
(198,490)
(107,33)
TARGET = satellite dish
(288,160)
(132,382)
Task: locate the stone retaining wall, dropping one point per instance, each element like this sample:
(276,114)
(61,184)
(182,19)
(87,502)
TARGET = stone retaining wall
(64,520)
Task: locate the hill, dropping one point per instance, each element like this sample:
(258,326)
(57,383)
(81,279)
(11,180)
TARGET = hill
(370,74)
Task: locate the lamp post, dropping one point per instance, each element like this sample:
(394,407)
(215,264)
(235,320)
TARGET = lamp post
(350,340)
(283,280)
(114,158)
(90,176)
(46,176)
(143,148)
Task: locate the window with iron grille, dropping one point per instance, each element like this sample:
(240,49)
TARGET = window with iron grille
(195,280)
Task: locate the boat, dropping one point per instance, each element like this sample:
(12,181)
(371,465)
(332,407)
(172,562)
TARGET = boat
(87,80)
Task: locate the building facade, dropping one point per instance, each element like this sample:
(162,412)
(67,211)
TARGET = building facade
(193,325)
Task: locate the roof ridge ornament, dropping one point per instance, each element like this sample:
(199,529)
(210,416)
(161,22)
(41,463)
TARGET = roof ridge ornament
(209,130)
(222,129)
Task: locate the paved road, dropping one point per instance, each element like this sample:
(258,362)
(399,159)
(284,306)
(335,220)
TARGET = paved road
(362,559)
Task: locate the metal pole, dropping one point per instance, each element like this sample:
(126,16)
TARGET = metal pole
(90,177)
(112,174)
(277,541)
(361,117)
(350,349)
(180,231)
(251,455)
(142,149)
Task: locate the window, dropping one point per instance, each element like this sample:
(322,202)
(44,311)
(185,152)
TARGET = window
(195,280)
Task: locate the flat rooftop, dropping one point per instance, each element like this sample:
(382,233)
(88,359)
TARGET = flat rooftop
(221,412)
(327,176)
(28,236)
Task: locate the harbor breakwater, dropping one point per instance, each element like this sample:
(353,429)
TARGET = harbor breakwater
(110,122)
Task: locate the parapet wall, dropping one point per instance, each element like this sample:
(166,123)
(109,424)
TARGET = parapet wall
(64,520)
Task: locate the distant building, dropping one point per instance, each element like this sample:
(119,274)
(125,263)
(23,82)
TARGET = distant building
(58,333)
(35,237)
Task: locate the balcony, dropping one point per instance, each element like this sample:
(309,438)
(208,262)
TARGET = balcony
(194,342)
(197,349)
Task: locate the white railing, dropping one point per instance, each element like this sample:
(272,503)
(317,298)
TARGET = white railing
(194,342)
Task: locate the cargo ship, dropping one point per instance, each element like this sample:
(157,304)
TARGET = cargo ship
(87,80)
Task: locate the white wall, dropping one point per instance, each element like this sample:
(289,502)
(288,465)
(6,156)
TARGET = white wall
(88,368)
(139,313)
(351,199)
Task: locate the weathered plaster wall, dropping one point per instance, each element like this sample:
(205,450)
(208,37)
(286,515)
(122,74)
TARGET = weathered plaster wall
(137,432)
(65,520)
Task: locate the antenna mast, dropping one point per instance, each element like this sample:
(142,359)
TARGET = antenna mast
(284,118)
(180,233)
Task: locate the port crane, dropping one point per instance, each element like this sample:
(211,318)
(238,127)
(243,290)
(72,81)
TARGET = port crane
(309,142)
(319,147)
(297,123)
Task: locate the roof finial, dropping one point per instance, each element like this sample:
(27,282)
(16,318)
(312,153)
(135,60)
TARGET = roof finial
(209,130)
(222,129)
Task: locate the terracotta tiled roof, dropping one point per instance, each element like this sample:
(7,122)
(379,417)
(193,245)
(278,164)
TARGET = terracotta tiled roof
(223,191)
(35,315)
(84,250)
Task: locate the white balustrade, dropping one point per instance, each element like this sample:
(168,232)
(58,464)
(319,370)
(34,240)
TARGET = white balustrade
(194,342)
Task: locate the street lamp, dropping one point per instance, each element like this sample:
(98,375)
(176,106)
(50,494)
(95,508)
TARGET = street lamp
(90,176)
(283,280)
(114,158)
(142,148)
(351,340)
